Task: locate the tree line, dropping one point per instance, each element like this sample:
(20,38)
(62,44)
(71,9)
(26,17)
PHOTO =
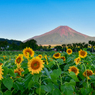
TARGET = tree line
(18,45)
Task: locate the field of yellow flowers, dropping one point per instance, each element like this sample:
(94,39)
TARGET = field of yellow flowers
(31,72)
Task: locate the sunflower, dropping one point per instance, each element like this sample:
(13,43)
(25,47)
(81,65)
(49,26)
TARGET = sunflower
(19,59)
(88,73)
(40,56)
(46,59)
(18,71)
(4,56)
(1,73)
(73,69)
(1,64)
(57,55)
(69,51)
(28,52)
(63,57)
(77,60)
(82,53)
(35,65)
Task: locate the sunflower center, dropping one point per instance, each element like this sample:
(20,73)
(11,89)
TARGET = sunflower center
(0,63)
(89,73)
(78,60)
(69,51)
(57,55)
(28,52)
(18,60)
(63,58)
(19,73)
(82,53)
(35,65)
(74,70)
(40,56)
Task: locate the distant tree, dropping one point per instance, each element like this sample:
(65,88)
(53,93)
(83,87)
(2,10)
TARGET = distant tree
(31,43)
(74,47)
(13,46)
(69,45)
(45,48)
(3,44)
(64,47)
(49,46)
(58,48)
(92,43)
(86,46)
(40,47)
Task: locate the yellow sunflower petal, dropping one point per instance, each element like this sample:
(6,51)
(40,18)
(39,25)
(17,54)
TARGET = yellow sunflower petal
(19,59)
(57,55)
(73,69)
(69,51)
(82,53)
(88,73)
(35,65)
(1,73)
(27,52)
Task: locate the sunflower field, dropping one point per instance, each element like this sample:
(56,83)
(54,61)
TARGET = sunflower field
(31,72)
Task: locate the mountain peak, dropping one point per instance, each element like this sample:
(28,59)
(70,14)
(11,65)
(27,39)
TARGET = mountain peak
(61,35)
(63,26)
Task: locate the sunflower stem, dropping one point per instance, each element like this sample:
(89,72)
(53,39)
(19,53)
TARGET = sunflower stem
(86,76)
(58,65)
(0,85)
(60,78)
(40,85)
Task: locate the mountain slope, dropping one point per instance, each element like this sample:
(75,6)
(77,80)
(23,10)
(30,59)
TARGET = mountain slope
(62,35)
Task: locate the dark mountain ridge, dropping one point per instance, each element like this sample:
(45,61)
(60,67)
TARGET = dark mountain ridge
(11,41)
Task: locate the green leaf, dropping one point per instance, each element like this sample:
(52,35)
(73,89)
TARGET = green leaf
(66,67)
(24,65)
(85,91)
(7,93)
(1,93)
(55,74)
(92,77)
(48,88)
(60,61)
(72,82)
(72,75)
(67,88)
(35,77)
(47,72)
(30,84)
(68,59)
(11,72)
(5,71)
(27,80)
(56,92)
(82,68)
(8,82)
(25,71)
(20,86)
(51,63)
(16,86)
(42,92)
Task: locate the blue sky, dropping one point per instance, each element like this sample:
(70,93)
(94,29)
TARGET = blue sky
(23,19)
